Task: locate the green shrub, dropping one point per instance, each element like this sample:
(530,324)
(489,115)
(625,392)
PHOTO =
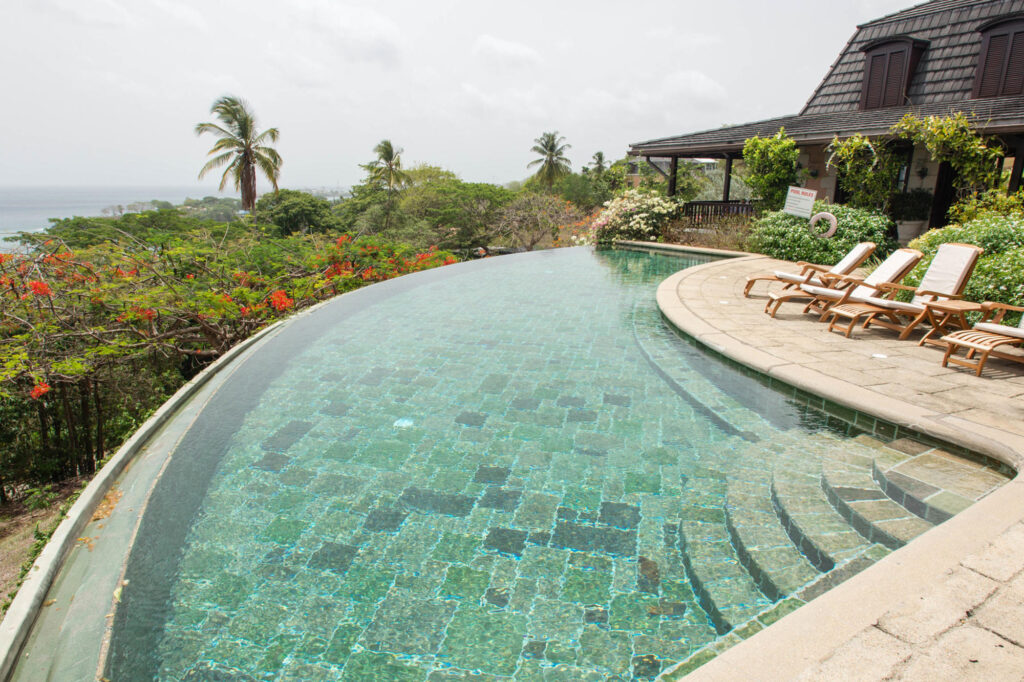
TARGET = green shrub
(787,237)
(772,167)
(992,201)
(999,275)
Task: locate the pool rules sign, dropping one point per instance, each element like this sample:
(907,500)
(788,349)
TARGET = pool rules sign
(800,202)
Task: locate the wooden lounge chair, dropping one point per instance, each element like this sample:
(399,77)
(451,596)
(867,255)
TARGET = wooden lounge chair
(809,271)
(944,279)
(839,289)
(985,337)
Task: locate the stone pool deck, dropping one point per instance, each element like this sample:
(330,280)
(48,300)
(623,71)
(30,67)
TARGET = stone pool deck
(950,605)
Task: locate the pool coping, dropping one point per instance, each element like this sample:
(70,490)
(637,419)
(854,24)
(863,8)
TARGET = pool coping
(812,633)
(21,615)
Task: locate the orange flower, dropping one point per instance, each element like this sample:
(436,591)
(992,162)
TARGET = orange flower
(280,301)
(40,389)
(40,288)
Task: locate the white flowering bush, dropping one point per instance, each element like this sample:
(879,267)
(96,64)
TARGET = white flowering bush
(635,215)
(999,275)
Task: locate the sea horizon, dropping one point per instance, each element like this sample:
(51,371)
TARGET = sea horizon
(30,208)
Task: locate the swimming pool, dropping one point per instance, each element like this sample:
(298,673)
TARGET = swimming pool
(509,468)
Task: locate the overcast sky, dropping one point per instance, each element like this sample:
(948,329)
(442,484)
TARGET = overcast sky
(107,92)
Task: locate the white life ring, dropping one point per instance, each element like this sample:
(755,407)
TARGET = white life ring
(833,224)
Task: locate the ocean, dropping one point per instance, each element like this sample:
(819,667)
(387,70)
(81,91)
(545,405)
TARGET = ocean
(29,209)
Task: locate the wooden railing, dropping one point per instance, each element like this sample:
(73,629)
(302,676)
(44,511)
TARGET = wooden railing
(700,211)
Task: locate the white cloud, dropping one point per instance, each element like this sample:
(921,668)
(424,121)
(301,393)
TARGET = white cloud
(98,13)
(505,52)
(182,13)
(696,85)
(358,34)
(513,103)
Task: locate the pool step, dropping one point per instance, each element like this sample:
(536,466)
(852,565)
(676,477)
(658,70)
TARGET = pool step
(762,545)
(807,516)
(724,589)
(857,497)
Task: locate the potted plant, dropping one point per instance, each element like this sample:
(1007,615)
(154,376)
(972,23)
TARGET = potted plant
(910,210)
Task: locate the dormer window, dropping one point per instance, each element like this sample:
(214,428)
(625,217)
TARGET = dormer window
(1001,60)
(889,66)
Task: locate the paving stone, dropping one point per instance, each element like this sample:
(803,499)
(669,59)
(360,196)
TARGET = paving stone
(480,639)
(871,655)
(1003,613)
(439,503)
(386,520)
(504,499)
(966,653)
(287,435)
(620,515)
(1002,558)
(593,539)
(408,625)
(506,541)
(959,592)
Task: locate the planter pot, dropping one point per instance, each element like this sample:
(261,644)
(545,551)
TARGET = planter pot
(908,229)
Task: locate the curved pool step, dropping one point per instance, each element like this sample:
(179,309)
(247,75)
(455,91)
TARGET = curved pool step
(764,548)
(810,520)
(724,588)
(857,497)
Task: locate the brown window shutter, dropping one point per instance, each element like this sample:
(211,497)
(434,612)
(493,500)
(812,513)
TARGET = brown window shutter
(1013,83)
(876,79)
(992,71)
(893,93)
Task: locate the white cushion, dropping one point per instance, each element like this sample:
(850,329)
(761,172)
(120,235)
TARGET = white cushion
(947,272)
(889,304)
(850,260)
(797,278)
(1016,332)
(858,295)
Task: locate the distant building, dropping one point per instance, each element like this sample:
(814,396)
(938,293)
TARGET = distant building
(936,58)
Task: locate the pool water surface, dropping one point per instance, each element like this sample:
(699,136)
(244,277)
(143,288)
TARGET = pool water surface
(511,469)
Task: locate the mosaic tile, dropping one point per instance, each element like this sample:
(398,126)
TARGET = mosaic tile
(605,649)
(456,548)
(465,583)
(384,520)
(504,499)
(333,556)
(620,515)
(390,631)
(506,541)
(594,539)
(439,503)
(480,639)
(367,665)
(491,474)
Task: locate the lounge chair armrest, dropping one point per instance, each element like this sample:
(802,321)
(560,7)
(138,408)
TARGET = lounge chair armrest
(812,266)
(995,311)
(833,279)
(893,286)
(939,294)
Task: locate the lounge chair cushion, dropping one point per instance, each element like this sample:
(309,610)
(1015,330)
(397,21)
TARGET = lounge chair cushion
(1016,332)
(859,295)
(948,270)
(797,278)
(889,304)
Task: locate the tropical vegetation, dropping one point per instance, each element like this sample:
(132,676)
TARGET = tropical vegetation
(241,148)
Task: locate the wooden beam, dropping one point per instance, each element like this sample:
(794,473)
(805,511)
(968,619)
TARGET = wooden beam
(727,183)
(655,166)
(1018,166)
(672,168)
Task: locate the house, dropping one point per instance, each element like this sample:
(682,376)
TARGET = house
(936,58)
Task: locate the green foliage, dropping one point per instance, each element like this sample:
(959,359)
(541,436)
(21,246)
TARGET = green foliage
(221,209)
(951,139)
(92,339)
(40,498)
(787,237)
(552,163)
(867,171)
(533,219)
(291,211)
(913,205)
(999,275)
(771,167)
(586,190)
(451,214)
(635,215)
(240,148)
(993,201)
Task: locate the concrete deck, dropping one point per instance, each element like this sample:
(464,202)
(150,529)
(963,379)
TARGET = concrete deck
(949,605)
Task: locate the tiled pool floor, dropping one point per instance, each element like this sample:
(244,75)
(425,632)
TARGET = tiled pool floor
(518,472)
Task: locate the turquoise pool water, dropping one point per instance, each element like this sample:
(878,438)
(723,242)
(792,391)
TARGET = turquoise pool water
(510,469)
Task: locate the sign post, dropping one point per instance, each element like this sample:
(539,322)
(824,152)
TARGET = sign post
(800,202)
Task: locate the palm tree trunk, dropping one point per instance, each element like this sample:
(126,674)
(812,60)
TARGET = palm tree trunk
(248,185)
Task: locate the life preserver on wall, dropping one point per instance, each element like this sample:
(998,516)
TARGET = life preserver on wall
(833,224)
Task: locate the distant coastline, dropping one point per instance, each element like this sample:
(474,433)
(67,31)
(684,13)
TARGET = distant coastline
(29,209)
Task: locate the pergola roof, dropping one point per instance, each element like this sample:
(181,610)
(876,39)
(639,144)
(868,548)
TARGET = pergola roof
(941,83)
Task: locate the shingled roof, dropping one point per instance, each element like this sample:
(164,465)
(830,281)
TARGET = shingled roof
(940,85)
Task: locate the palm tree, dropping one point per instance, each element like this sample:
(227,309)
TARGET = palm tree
(598,166)
(386,170)
(241,148)
(553,163)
